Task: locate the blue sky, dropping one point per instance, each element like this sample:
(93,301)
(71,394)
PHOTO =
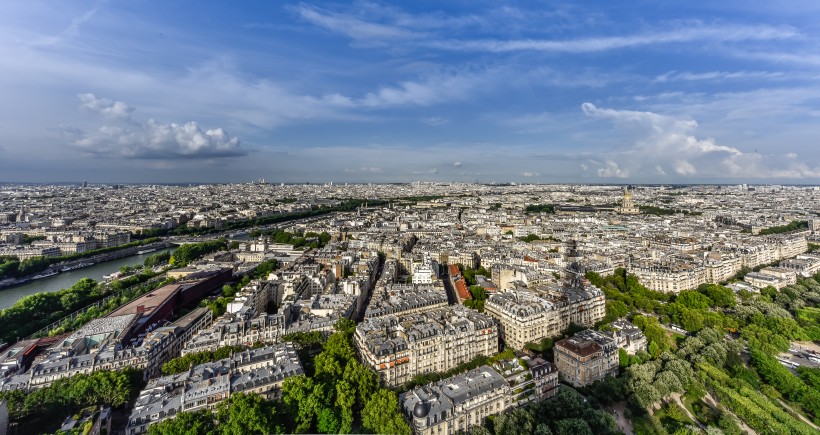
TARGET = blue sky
(598,92)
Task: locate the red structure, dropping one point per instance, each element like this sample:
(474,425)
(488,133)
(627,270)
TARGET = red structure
(161,303)
(459,284)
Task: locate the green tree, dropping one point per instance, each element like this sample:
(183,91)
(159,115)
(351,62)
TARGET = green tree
(529,238)
(246,413)
(542,429)
(478,293)
(658,339)
(33,265)
(330,364)
(691,320)
(381,414)
(192,251)
(297,394)
(345,403)
(9,267)
(728,424)
(185,423)
(608,390)
(98,388)
(693,299)
(810,375)
(328,421)
(305,339)
(722,296)
(479,430)
(347,326)
(572,426)
(514,422)
(362,379)
(623,358)
(615,310)
(184,363)
(228,291)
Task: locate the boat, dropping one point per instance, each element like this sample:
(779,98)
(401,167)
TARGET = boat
(146,251)
(112,276)
(46,275)
(75,267)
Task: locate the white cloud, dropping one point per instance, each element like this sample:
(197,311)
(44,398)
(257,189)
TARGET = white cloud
(683,34)
(72,30)
(373,24)
(431,90)
(612,170)
(780,57)
(530,174)
(682,167)
(151,139)
(353,27)
(687,76)
(656,141)
(104,106)
(435,121)
(365,170)
(457,164)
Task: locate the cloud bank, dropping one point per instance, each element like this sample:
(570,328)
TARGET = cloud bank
(151,139)
(661,144)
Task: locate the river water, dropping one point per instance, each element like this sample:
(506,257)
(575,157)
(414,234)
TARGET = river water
(10,296)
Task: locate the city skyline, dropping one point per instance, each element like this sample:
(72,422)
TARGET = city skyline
(371,92)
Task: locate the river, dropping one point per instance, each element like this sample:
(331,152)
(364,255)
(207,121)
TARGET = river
(10,296)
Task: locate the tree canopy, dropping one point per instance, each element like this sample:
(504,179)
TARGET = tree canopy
(342,394)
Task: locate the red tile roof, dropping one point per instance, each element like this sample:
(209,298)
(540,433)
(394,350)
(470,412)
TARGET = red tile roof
(461,289)
(454,270)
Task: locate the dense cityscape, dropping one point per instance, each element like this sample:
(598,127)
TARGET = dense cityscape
(413,308)
(409,218)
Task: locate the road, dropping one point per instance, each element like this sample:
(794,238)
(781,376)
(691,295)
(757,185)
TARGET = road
(358,316)
(451,292)
(624,423)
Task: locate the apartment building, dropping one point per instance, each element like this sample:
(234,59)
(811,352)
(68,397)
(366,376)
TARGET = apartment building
(400,347)
(669,276)
(526,316)
(627,336)
(522,317)
(455,404)
(586,357)
(260,371)
(404,299)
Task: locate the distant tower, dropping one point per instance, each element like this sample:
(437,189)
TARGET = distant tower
(85,184)
(627,207)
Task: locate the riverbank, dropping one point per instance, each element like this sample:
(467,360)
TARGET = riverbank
(83,262)
(10,296)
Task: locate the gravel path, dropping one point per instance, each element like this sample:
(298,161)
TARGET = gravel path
(624,423)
